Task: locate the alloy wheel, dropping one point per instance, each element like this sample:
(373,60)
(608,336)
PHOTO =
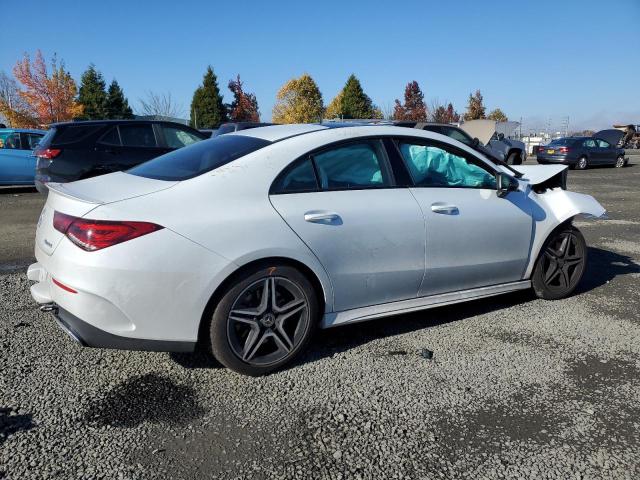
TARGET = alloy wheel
(563,262)
(620,162)
(267,321)
(582,163)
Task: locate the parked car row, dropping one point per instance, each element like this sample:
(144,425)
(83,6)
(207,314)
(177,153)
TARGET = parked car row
(77,150)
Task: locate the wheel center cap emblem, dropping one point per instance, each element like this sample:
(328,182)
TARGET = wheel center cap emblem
(268,320)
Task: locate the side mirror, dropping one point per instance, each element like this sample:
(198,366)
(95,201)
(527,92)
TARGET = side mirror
(475,142)
(506,183)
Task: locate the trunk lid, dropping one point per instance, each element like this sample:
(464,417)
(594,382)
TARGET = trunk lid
(80,198)
(612,135)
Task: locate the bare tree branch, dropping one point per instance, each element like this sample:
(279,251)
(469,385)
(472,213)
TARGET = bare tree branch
(160,105)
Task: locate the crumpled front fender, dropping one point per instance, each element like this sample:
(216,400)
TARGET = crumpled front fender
(556,207)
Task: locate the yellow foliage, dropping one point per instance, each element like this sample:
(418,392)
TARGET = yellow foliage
(334,109)
(298,101)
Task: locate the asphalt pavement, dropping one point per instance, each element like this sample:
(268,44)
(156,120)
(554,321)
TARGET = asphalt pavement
(517,387)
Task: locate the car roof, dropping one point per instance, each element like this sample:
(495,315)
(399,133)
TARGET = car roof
(23,130)
(115,122)
(274,133)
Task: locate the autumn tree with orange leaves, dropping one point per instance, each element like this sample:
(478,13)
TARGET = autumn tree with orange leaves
(48,97)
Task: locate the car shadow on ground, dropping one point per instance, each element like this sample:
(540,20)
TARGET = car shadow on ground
(603,266)
(16,190)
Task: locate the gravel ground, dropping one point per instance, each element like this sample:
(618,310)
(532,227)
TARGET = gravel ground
(517,387)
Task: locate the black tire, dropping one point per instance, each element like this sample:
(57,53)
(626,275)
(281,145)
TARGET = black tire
(560,266)
(232,335)
(514,159)
(582,163)
(620,162)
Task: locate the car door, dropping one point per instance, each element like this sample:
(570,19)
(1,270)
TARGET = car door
(473,237)
(367,233)
(606,152)
(13,160)
(591,149)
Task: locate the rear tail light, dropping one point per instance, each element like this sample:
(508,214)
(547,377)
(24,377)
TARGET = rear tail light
(540,149)
(91,235)
(47,153)
(563,149)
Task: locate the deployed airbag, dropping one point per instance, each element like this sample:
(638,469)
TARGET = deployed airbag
(434,167)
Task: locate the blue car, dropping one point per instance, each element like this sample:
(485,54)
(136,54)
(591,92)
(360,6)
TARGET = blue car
(17,163)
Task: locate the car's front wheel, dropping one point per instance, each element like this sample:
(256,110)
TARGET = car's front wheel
(264,319)
(560,265)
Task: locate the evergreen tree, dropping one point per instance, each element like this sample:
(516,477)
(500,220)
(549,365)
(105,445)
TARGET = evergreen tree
(207,109)
(92,94)
(414,107)
(355,103)
(475,109)
(117,105)
(452,115)
(497,115)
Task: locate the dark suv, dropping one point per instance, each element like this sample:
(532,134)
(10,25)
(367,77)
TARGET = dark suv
(76,150)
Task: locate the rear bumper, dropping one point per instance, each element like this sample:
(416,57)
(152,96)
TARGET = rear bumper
(89,336)
(555,160)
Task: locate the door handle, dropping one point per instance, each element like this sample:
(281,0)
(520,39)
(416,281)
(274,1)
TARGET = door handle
(444,209)
(321,217)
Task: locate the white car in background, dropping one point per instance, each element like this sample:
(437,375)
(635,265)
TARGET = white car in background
(245,243)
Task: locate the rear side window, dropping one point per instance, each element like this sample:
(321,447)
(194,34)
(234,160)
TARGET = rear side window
(356,165)
(298,177)
(111,137)
(603,144)
(75,133)
(10,141)
(201,157)
(591,143)
(32,140)
(137,135)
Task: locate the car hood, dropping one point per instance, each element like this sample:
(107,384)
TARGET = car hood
(537,174)
(612,135)
(483,130)
(507,128)
(110,188)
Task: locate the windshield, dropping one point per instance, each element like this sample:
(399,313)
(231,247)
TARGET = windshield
(201,157)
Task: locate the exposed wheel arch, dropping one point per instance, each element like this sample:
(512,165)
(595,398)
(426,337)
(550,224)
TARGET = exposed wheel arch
(256,264)
(518,156)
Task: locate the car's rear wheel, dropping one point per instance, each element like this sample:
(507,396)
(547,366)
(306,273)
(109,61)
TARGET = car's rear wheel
(582,163)
(560,265)
(264,320)
(620,162)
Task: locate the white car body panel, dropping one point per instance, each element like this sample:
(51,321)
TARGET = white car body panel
(157,286)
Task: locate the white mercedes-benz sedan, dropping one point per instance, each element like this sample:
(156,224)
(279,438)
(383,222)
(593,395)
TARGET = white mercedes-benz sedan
(246,243)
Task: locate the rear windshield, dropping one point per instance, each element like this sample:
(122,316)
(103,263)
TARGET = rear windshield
(558,142)
(201,157)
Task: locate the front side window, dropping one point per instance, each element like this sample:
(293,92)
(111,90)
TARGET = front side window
(178,137)
(456,135)
(201,157)
(137,135)
(433,166)
(352,166)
